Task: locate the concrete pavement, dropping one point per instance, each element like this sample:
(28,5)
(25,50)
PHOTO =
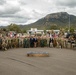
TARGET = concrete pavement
(60,62)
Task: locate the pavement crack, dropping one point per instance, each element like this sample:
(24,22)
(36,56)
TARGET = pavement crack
(22,62)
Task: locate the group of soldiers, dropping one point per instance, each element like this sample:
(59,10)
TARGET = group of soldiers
(34,41)
(22,42)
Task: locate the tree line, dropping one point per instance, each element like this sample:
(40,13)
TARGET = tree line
(18,29)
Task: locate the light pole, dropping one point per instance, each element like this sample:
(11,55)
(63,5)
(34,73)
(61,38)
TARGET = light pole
(69,23)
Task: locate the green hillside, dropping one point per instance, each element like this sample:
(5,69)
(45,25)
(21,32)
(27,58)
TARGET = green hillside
(60,19)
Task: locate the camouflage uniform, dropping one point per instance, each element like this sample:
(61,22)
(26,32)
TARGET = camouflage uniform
(39,41)
(24,43)
(28,42)
(20,42)
(12,43)
(0,43)
(4,44)
(43,42)
(54,43)
(9,43)
(16,42)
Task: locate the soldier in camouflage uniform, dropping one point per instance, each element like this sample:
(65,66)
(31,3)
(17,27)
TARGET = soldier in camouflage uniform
(54,42)
(43,42)
(39,38)
(16,42)
(4,44)
(26,42)
(12,42)
(0,43)
(20,42)
(9,43)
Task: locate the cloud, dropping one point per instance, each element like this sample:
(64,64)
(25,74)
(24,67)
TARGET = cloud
(2,2)
(30,21)
(4,23)
(68,3)
(28,11)
(9,8)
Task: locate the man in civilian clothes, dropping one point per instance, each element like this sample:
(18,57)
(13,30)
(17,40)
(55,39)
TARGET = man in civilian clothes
(31,41)
(35,41)
(51,42)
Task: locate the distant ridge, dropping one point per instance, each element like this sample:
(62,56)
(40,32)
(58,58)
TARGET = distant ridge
(60,19)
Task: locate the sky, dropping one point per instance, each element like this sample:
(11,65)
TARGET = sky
(28,11)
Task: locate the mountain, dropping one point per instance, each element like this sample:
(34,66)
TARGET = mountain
(60,19)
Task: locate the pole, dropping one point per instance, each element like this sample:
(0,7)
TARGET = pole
(69,23)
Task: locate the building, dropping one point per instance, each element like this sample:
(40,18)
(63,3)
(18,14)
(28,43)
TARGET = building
(35,31)
(55,31)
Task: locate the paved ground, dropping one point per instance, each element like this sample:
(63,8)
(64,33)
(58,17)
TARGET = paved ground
(60,62)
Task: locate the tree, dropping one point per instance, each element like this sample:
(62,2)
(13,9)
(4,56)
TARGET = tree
(71,30)
(23,30)
(14,27)
(54,27)
(66,29)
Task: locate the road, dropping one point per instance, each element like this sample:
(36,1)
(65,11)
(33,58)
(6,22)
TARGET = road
(60,62)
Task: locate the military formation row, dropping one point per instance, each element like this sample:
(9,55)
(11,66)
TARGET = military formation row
(27,42)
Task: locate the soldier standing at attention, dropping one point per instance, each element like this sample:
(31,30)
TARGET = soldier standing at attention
(4,44)
(0,43)
(24,42)
(54,42)
(42,42)
(28,42)
(39,41)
